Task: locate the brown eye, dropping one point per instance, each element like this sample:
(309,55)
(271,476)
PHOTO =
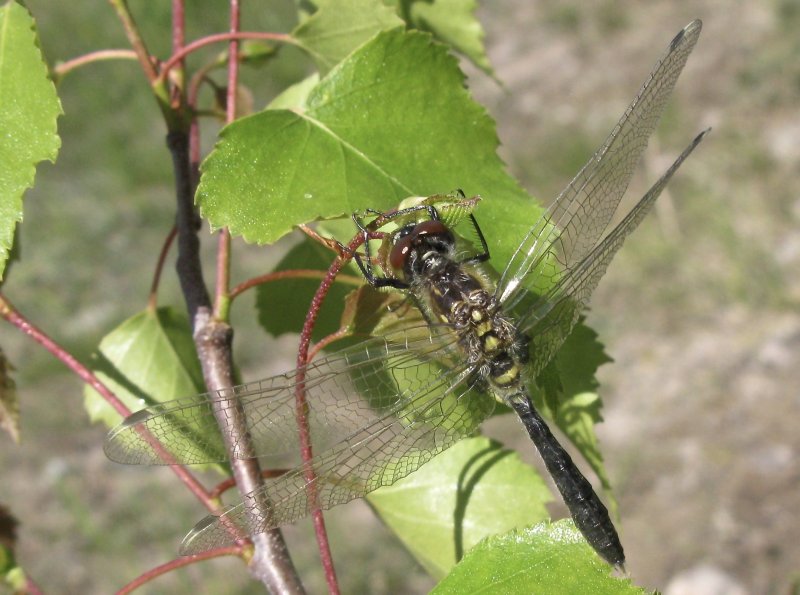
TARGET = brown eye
(399,253)
(429,228)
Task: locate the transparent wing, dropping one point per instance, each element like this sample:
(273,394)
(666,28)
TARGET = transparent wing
(575,222)
(439,413)
(551,317)
(344,391)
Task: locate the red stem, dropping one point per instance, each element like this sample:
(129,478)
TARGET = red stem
(216,38)
(224,243)
(154,573)
(162,257)
(290,274)
(325,341)
(66,67)
(229,483)
(178,26)
(301,405)
(31,588)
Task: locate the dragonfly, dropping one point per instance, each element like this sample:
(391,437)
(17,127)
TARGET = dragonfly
(380,409)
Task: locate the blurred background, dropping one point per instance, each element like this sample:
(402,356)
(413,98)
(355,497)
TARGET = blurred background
(699,310)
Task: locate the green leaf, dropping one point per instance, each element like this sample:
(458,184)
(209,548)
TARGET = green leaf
(283,305)
(454,22)
(294,96)
(8,541)
(150,358)
(392,120)
(579,408)
(548,558)
(474,489)
(340,26)
(9,403)
(29,107)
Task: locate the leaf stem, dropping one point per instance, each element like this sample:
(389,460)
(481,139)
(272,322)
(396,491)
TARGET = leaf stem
(135,39)
(301,407)
(63,69)
(152,300)
(154,573)
(217,38)
(290,274)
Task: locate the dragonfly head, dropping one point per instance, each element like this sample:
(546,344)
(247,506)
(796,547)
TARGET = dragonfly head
(417,245)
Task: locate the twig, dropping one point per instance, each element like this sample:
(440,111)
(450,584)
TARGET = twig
(301,408)
(63,69)
(154,573)
(162,256)
(190,272)
(290,274)
(136,41)
(229,483)
(217,38)
(271,562)
(325,341)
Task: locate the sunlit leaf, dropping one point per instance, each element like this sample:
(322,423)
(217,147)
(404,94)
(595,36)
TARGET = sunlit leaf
(474,489)
(392,120)
(149,358)
(340,26)
(454,22)
(294,96)
(548,558)
(29,107)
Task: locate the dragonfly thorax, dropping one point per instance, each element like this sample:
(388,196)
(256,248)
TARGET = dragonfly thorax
(457,293)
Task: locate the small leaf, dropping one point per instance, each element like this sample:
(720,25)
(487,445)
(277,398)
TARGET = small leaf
(9,404)
(453,22)
(338,27)
(392,120)
(548,558)
(29,107)
(474,489)
(8,528)
(149,358)
(10,572)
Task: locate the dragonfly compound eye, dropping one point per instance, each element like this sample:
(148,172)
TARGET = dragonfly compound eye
(399,253)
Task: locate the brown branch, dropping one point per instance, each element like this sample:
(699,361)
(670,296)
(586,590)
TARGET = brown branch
(213,338)
(189,268)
